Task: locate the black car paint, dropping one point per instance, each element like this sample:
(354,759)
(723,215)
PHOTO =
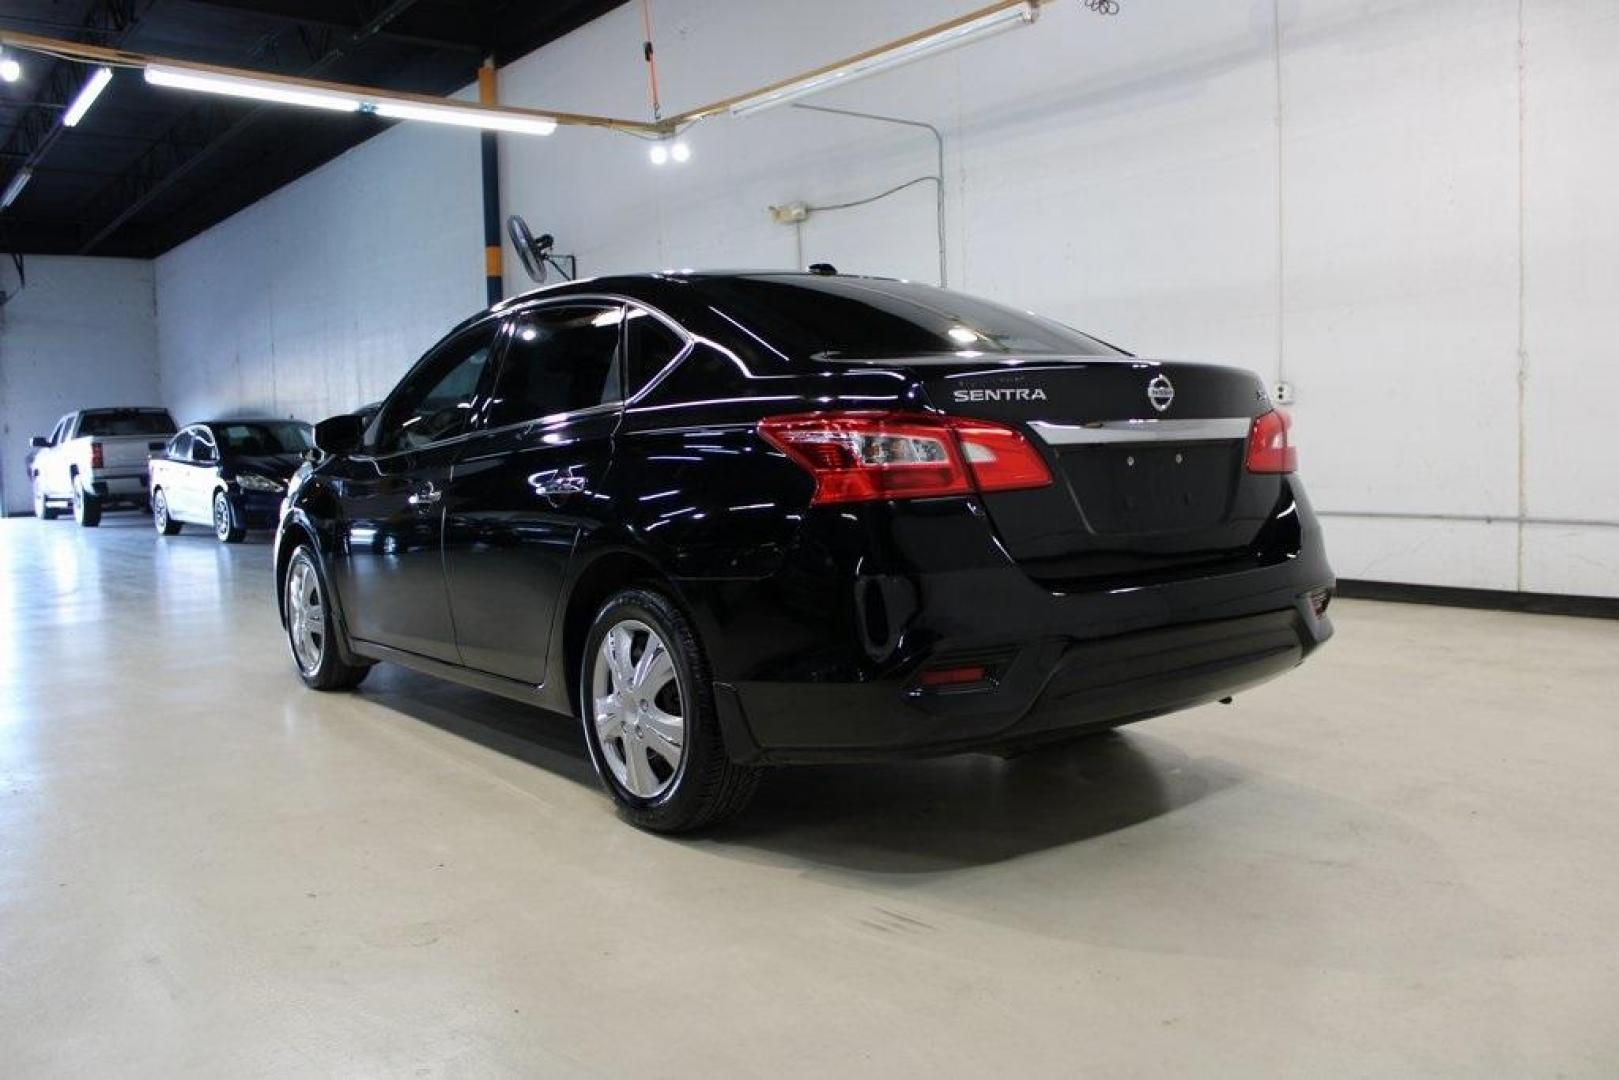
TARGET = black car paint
(815,619)
(253,509)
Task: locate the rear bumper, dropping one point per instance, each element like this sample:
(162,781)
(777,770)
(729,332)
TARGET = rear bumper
(823,661)
(124,487)
(1045,689)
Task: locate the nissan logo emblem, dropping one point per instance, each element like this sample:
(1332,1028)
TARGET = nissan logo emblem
(1161,392)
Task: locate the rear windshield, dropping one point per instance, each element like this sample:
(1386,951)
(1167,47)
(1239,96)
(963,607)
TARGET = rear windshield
(837,318)
(249,440)
(111,423)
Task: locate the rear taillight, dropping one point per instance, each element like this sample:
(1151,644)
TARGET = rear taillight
(95,455)
(1270,445)
(860,457)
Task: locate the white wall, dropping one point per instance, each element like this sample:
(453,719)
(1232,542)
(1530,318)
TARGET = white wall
(82,334)
(1403,207)
(316,299)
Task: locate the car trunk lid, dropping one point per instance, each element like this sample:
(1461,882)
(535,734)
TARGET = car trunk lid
(1147,462)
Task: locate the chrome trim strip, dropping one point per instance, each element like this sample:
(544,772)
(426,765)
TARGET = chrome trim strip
(1140,431)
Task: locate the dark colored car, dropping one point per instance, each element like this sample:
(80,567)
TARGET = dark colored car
(227,474)
(733,520)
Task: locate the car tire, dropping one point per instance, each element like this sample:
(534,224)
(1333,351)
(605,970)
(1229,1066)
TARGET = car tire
(165,524)
(649,718)
(86,506)
(311,626)
(42,506)
(226,527)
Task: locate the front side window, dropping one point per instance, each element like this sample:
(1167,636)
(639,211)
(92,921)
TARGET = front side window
(437,400)
(203,450)
(559,359)
(179,448)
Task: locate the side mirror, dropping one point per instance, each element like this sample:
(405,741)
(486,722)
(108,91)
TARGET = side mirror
(39,442)
(340,434)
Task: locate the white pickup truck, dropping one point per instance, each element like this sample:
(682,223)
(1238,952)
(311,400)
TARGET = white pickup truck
(94,459)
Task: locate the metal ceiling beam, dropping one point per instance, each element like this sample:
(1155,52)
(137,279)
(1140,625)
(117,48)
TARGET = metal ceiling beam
(40,125)
(297,48)
(321,13)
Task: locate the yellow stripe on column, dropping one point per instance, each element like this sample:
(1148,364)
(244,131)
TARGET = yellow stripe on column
(493,261)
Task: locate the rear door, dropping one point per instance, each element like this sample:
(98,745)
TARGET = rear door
(527,484)
(389,572)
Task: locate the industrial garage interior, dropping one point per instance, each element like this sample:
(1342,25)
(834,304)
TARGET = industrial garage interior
(1396,857)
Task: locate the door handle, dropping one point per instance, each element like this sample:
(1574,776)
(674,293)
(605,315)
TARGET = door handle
(425,495)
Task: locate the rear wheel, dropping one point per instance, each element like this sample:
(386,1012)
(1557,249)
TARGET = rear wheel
(160,514)
(42,506)
(225,526)
(86,506)
(648,709)
(312,627)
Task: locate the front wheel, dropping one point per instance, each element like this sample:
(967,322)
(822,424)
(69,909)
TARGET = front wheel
(648,708)
(225,525)
(312,627)
(161,519)
(86,506)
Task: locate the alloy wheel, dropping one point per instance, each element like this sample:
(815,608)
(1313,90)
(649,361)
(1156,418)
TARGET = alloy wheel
(160,511)
(221,516)
(306,616)
(638,709)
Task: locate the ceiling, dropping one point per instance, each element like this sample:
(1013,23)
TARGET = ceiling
(150,168)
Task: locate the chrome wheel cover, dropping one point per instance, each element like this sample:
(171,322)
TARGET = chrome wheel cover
(638,709)
(221,516)
(306,616)
(160,510)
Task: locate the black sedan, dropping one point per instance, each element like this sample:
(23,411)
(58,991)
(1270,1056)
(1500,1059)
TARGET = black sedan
(731,520)
(227,474)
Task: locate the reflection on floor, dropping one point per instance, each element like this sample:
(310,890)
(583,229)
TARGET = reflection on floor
(1401,858)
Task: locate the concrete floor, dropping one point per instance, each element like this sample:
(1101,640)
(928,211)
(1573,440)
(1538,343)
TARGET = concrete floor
(1402,859)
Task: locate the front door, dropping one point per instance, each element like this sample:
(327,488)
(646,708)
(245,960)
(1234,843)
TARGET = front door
(389,569)
(197,483)
(527,483)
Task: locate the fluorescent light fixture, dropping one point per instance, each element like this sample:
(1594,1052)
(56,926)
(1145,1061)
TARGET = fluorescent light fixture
(287,92)
(87,97)
(659,153)
(680,151)
(239,86)
(919,49)
(14,188)
(465,116)
(10,70)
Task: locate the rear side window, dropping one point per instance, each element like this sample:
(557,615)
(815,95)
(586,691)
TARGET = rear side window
(649,346)
(559,360)
(110,423)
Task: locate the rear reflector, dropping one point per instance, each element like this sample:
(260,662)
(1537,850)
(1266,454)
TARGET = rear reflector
(1270,445)
(1319,599)
(860,457)
(952,676)
(95,456)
